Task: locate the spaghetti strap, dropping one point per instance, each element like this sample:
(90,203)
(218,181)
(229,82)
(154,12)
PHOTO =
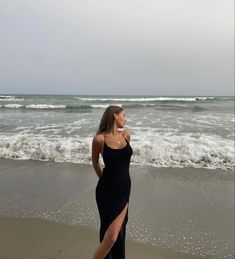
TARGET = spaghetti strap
(126,140)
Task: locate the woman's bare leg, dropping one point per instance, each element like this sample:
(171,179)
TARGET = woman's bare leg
(110,236)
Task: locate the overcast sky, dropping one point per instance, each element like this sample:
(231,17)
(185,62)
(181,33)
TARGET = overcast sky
(132,47)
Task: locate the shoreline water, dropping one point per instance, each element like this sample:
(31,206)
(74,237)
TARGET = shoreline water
(175,209)
(172,131)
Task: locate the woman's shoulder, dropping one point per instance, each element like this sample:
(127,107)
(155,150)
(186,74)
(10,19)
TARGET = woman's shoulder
(126,133)
(98,137)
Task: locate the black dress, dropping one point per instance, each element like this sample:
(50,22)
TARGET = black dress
(112,194)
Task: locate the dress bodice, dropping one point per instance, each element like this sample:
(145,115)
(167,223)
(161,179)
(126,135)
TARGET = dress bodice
(117,160)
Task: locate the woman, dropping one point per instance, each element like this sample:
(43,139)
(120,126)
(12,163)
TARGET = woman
(114,184)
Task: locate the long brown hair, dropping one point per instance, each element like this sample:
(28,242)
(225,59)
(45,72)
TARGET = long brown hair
(108,118)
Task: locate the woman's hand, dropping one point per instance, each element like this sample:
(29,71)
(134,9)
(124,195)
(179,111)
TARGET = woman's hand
(96,148)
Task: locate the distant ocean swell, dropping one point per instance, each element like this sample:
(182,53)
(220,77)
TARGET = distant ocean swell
(80,103)
(165,150)
(137,99)
(52,106)
(81,107)
(152,99)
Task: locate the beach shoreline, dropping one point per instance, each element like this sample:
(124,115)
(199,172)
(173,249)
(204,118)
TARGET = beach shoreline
(48,210)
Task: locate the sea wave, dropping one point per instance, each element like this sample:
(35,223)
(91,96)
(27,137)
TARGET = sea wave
(44,106)
(98,106)
(33,106)
(53,106)
(147,99)
(103,105)
(12,106)
(162,150)
(10,98)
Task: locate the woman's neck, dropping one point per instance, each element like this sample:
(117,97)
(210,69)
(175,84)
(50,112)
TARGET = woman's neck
(114,132)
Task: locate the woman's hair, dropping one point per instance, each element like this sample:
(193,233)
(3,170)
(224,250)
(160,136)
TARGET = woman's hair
(108,118)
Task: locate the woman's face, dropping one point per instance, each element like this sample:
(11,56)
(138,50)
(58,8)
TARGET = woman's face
(120,119)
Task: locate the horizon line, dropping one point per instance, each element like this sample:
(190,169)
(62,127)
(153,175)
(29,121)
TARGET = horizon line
(141,95)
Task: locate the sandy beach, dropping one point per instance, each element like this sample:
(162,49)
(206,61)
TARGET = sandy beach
(40,239)
(160,74)
(48,210)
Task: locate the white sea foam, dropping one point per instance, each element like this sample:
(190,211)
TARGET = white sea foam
(103,105)
(153,149)
(51,106)
(10,98)
(146,99)
(45,106)
(13,105)
(196,150)
(5,96)
(39,147)
(33,106)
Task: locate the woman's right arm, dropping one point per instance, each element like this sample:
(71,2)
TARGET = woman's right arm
(96,148)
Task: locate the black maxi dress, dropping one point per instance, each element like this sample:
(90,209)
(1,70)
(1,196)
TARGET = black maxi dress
(112,194)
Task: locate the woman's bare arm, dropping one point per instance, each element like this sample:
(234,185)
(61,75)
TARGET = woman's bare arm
(96,148)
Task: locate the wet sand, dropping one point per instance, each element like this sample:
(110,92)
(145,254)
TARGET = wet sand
(40,239)
(48,210)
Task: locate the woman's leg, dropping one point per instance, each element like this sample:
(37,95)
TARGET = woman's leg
(110,236)
(118,249)
(103,229)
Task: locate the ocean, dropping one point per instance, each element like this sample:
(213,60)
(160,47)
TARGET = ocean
(182,196)
(166,131)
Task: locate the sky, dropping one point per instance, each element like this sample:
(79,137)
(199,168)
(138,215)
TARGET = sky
(125,47)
